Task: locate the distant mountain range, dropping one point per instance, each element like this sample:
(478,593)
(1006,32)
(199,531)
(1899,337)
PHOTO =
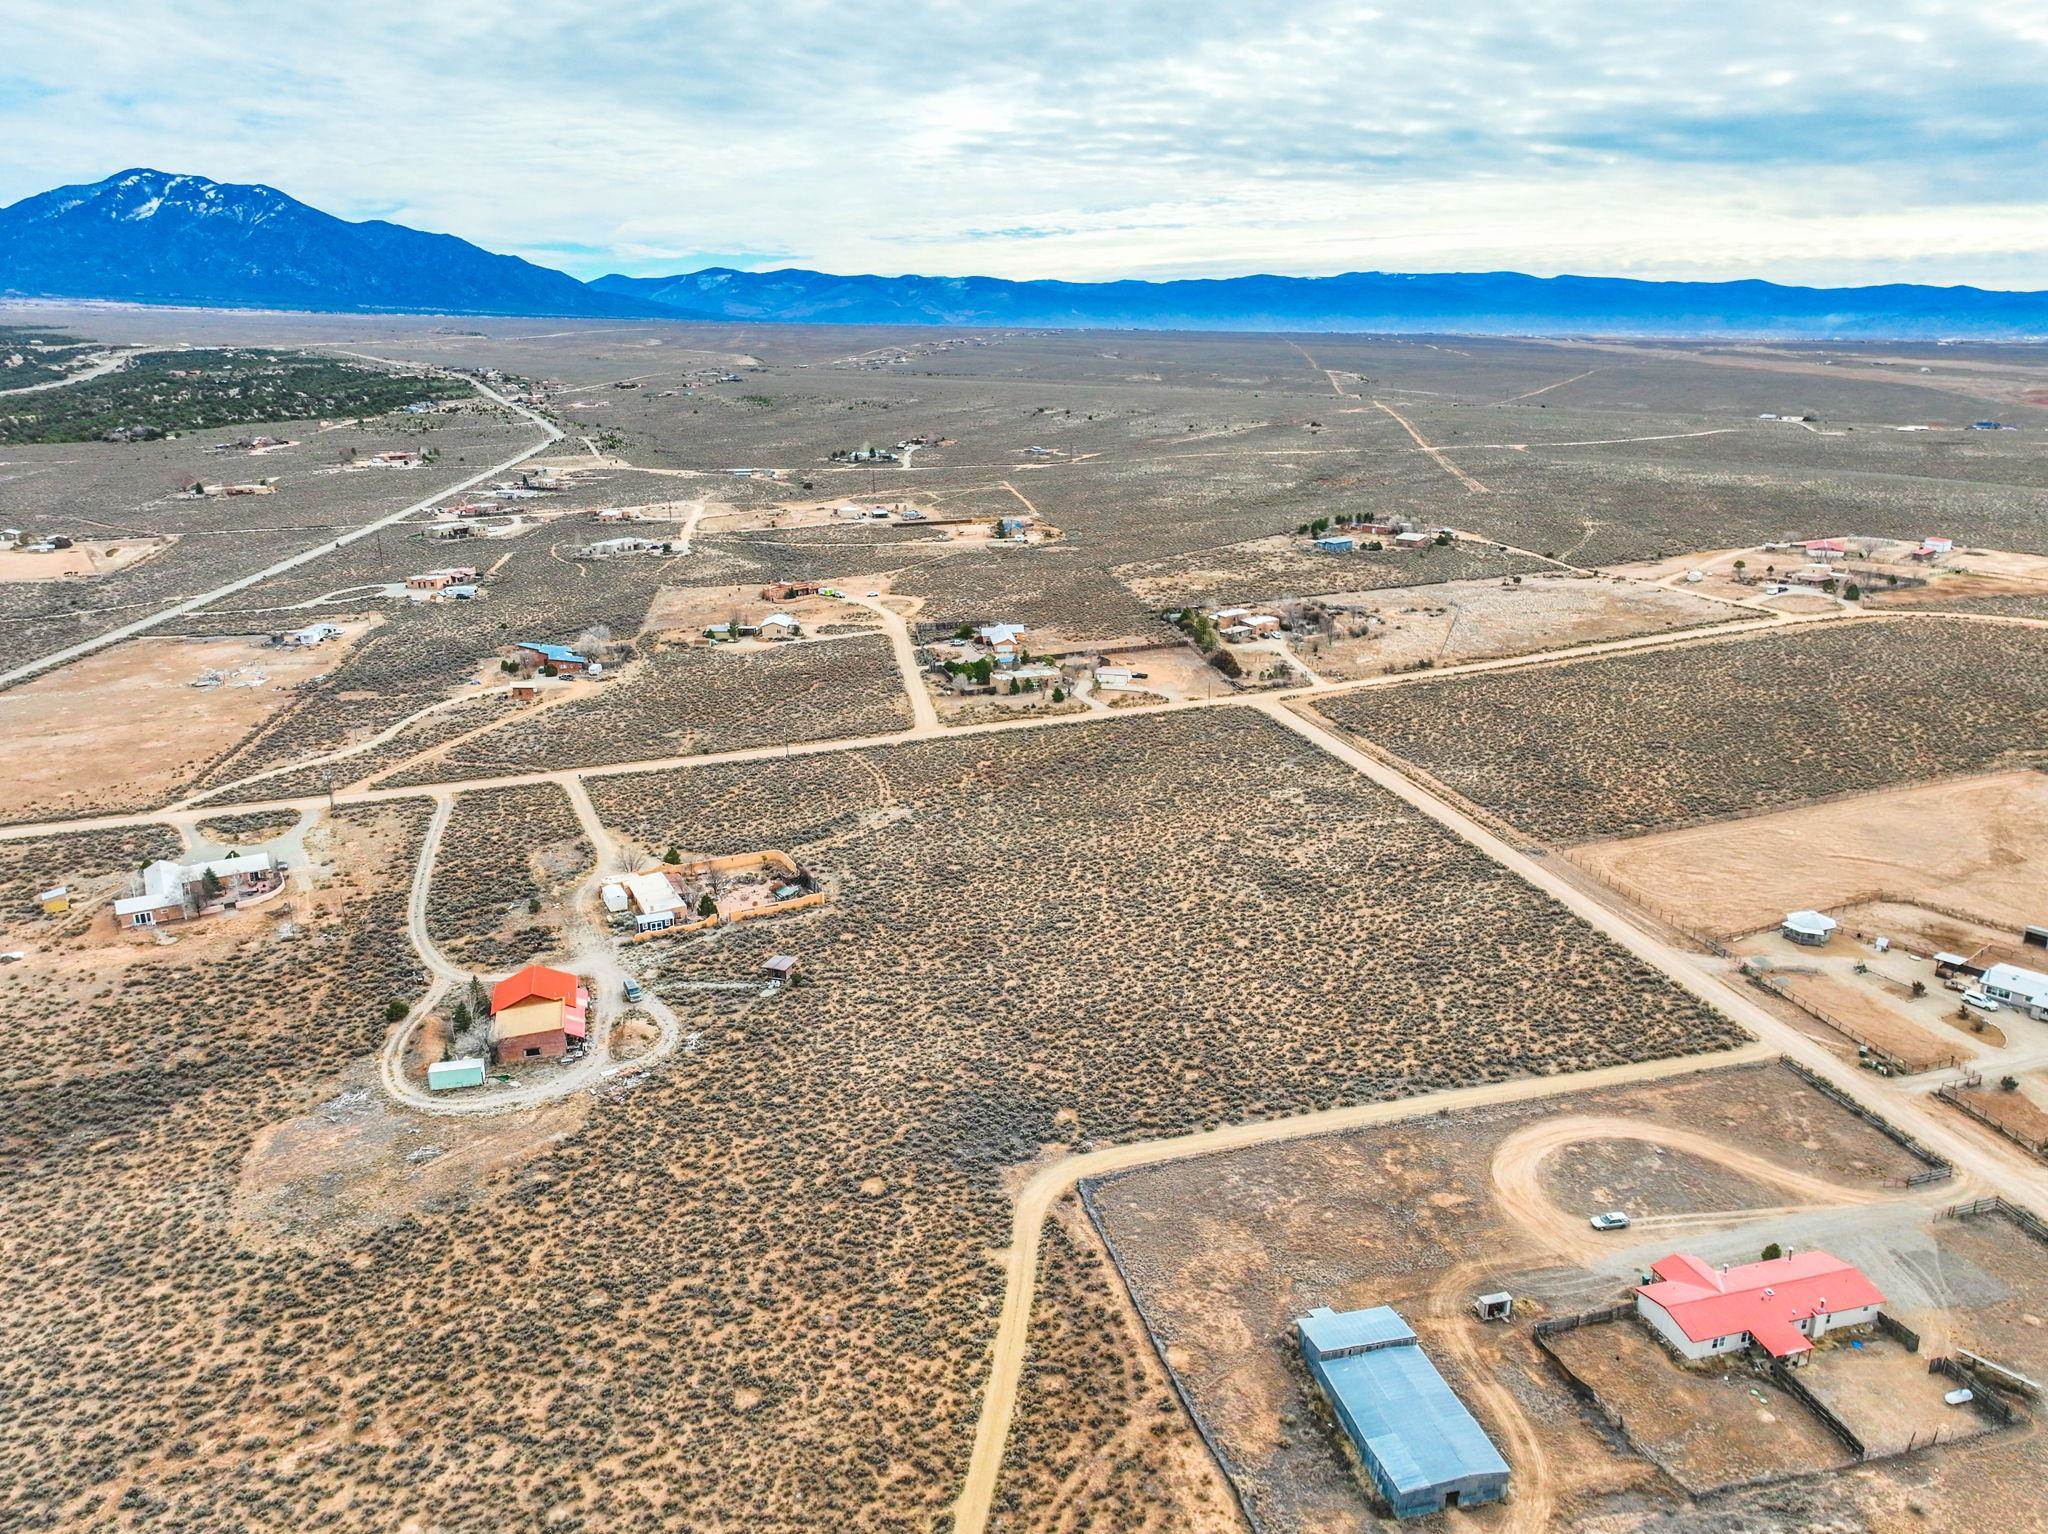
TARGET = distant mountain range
(146,236)
(1469,303)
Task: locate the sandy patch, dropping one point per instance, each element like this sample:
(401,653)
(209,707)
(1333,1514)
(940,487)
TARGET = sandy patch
(1975,845)
(125,727)
(85,559)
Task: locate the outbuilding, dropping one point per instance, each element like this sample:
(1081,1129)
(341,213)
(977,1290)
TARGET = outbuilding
(1421,1447)
(449,1075)
(1809,928)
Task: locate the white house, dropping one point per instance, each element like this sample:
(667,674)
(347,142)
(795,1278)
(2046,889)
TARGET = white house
(1780,1306)
(178,891)
(778,626)
(1003,641)
(2024,989)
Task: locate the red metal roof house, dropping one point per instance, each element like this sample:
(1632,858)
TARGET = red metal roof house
(1780,1305)
(536,1012)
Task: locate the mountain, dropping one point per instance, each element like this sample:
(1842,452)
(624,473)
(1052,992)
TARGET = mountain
(1502,303)
(145,236)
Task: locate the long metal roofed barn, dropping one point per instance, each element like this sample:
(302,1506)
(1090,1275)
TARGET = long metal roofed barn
(1422,1448)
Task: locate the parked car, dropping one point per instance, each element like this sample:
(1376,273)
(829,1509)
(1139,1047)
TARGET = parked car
(1980,1001)
(1957,985)
(1614,1219)
(632,990)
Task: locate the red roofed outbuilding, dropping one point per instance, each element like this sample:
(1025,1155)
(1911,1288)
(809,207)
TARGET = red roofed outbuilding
(536,1012)
(1781,1305)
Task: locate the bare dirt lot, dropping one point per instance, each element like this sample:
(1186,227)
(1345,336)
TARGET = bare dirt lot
(125,728)
(1479,620)
(1976,844)
(85,558)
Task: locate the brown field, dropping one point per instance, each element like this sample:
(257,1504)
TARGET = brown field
(85,559)
(1459,621)
(125,729)
(1976,844)
(1099,1441)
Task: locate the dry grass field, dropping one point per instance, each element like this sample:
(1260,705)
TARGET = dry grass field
(1974,844)
(1370,633)
(688,701)
(1100,1441)
(1621,745)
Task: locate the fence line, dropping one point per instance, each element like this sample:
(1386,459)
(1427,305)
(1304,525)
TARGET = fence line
(1086,1188)
(1963,1104)
(2029,1222)
(1936,1166)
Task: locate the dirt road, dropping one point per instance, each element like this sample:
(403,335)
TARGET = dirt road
(1518,1182)
(924,712)
(304,556)
(1442,461)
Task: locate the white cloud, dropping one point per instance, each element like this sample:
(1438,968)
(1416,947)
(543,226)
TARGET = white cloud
(1062,139)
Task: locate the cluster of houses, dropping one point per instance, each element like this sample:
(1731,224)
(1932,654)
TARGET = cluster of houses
(1403,534)
(1424,1452)
(173,892)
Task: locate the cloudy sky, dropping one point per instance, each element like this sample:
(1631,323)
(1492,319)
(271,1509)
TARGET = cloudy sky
(1858,141)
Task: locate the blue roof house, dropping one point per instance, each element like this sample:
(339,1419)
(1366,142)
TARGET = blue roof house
(1424,1451)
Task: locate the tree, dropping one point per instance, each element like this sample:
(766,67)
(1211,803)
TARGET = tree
(1773,1252)
(395,1010)
(1853,592)
(672,856)
(464,1018)
(1015,687)
(479,998)
(1059,695)
(1443,539)
(533,905)
(706,905)
(1740,566)
(210,883)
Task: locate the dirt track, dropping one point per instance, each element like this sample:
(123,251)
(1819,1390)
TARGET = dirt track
(1518,1182)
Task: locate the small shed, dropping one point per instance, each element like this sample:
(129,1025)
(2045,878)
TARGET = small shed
(614,898)
(1810,928)
(55,900)
(1494,1307)
(782,966)
(449,1075)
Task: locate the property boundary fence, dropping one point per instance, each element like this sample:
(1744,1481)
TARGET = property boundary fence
(1889,1325)
(1979,1375)
(2025,1219)
(1937,1170)
(1963,1104)
(1763,981)
(1086,1188)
